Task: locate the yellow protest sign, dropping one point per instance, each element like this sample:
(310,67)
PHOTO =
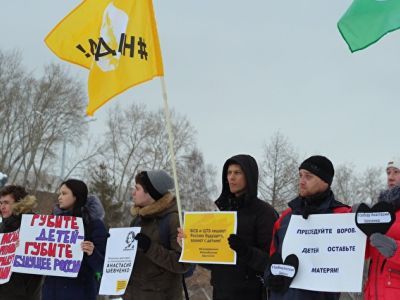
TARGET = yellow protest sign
(207,237)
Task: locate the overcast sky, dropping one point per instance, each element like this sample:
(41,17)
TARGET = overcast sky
(241,71)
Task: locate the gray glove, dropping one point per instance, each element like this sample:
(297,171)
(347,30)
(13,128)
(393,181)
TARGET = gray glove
(384,244)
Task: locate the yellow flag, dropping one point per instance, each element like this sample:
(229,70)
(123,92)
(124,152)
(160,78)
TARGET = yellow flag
(116,39)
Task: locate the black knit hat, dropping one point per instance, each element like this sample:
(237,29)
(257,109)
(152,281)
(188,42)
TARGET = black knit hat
(79,190)
(320,166)
(156,182)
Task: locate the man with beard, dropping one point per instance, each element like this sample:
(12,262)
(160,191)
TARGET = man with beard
(315,197)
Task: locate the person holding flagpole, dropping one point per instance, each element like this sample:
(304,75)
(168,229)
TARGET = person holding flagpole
(157,273)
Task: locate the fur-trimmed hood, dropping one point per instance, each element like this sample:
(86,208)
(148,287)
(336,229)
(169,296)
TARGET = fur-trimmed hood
(26,205)
(160,207)
(93,206)
(391,196)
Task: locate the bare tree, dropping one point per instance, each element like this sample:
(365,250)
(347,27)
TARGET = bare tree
(371,185)
(346,184)
(36,115)
(83,157)
(351,187)
(12,81)
(136,139)
(102,185)
(279,172)
(197,183)
(55,111)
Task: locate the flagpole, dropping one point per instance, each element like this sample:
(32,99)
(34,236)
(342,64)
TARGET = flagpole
(171,147)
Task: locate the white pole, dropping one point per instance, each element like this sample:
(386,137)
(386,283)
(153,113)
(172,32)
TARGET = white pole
(171,147)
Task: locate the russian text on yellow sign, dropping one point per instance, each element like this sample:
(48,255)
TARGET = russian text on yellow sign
(207,237)
(116,39)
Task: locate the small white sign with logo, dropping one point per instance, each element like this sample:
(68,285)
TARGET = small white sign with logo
(118,263)
(374,217)
(283,270)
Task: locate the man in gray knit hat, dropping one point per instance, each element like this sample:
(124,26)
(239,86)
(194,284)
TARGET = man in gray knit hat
(155,211)
(157,183)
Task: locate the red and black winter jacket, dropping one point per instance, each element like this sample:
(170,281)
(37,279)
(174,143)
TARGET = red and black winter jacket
(326,205)
(384,273)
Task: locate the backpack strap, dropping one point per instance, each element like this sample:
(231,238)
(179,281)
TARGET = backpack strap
(163,229)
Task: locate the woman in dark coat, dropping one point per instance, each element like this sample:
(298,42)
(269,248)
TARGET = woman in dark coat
(72,201)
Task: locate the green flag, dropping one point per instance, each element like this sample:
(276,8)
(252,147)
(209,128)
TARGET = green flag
(366,21)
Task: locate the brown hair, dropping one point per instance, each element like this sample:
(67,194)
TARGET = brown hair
(140,178)
(16,191)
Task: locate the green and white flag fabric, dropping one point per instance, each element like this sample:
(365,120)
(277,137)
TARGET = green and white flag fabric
(366,21)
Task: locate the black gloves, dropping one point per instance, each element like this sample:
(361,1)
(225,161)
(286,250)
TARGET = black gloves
(144,241)
(280,282)
(237,244)
(276,283)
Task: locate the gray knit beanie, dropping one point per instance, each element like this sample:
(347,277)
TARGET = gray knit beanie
(156,182)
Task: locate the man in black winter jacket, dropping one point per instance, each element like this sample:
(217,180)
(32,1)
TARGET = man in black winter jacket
(255,221)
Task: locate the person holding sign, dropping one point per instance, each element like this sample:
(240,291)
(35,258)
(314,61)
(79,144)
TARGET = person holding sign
(15,201)
(315,197)
(254,232)
(72,201)
(157,273)
(383,249)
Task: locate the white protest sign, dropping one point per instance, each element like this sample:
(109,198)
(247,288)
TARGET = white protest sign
(8,246)
(120,257)
(331,250)
(50,245)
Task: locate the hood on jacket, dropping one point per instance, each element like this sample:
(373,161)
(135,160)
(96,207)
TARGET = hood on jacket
(392,196)
(93,207)
(166,204)
(26,205)
(250,169)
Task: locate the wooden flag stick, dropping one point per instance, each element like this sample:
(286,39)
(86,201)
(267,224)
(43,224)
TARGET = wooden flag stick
(171,147)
